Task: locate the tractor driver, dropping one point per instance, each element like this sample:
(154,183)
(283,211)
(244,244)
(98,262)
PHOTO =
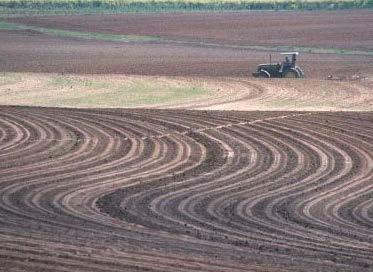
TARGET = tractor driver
(285,63)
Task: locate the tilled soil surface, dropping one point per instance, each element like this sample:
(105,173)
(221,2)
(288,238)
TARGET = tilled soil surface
(352,29)
(175,190)
(192,52)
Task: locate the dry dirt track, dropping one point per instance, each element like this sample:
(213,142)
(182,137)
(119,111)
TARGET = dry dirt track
(168,190)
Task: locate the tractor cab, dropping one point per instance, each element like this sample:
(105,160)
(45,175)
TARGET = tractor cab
(287,62)
(287,68)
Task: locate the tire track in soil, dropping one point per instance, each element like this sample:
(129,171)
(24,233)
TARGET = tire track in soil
(176,190)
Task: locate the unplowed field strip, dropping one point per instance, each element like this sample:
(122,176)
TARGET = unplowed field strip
(175,190)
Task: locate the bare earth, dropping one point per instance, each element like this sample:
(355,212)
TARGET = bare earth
(286,186)
(352,29)
(166,190)
(34,52)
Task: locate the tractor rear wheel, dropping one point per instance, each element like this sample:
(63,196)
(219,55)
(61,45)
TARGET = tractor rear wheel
(292,73)
(300,71)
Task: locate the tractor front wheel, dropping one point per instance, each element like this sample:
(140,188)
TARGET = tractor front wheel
(264,73)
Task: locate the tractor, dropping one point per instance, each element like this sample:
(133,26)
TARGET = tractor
(286,69)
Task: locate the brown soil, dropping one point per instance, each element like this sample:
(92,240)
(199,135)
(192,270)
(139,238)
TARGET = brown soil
(110,190)
(352,29)
(171,190)
(29,51)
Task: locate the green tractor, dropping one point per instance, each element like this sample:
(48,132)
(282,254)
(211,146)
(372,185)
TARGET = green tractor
(286,69)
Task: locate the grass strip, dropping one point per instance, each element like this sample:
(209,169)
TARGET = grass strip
(283,48)
(79,34)
(98,6)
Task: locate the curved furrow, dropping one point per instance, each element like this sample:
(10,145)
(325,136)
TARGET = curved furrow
(26,134)
(285,210)
(173,190)
(327,231)
(360,182)
(11,134)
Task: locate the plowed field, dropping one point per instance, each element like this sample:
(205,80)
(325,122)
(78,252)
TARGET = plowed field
(114,190)
(172,190)
(203,44)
